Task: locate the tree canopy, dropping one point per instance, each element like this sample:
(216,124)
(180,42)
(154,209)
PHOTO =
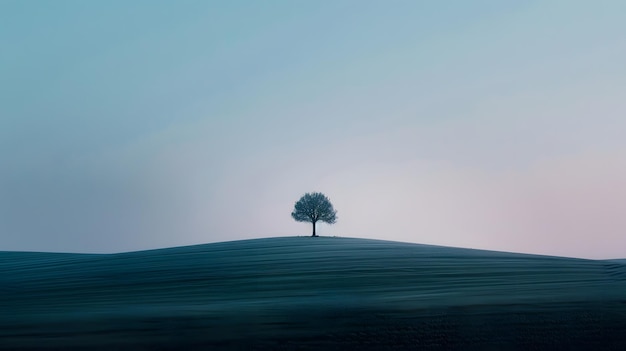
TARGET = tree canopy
(313,207)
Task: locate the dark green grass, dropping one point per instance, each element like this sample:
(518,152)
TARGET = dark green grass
(310,293)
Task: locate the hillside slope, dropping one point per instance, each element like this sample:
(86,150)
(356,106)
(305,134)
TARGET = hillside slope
(310,293)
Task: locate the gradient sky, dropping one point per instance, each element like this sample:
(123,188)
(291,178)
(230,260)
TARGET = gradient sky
(129,125)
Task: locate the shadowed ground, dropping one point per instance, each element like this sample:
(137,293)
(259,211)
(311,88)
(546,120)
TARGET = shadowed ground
(310,293)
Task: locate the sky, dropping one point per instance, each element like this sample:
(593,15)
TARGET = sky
(131,125)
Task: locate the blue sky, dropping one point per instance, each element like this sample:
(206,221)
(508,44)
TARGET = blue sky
(129,125)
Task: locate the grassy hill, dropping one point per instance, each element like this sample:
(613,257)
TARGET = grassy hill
(310,293)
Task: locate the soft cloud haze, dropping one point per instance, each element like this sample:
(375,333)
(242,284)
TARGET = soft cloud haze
(128,125)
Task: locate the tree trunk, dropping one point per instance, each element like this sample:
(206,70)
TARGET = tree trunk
(313,229)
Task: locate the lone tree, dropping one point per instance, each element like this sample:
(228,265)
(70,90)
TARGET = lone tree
(313,207)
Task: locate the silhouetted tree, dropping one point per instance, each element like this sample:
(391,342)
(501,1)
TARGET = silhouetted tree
(313,207)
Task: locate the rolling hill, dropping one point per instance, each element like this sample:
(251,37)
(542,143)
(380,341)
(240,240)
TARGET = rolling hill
(310,293)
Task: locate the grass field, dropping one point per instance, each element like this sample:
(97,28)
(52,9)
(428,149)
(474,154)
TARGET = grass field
(305,293)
